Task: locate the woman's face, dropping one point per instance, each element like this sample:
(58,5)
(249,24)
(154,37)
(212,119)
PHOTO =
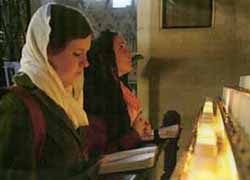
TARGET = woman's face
(70,62)
(123,55)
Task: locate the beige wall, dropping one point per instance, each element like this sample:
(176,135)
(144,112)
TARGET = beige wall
(243,35)
(143,47)
(187,65)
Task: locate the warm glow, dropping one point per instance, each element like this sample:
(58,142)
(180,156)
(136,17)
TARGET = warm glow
(206,135)
(208,107)
(212,157)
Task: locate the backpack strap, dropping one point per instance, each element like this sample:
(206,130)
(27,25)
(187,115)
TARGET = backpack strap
(37,118)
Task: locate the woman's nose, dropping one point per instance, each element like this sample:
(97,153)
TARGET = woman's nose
(84,62)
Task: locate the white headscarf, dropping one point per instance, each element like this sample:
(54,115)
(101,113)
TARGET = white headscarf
(35,64)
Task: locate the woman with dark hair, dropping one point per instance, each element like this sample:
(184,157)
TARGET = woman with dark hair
(51,77)
(108,101)
(114,112)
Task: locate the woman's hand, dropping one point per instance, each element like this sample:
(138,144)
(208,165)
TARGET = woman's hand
(142,126)
(148,129)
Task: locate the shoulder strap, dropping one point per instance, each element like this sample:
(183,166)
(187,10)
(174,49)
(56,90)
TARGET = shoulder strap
(37,118)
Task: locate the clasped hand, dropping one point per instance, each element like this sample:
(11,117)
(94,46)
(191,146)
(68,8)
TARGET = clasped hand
(142,126)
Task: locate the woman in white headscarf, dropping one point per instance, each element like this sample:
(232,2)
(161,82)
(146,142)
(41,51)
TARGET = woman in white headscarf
(52,64)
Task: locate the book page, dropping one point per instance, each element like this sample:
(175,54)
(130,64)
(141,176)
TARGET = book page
(134,159)
(128,153)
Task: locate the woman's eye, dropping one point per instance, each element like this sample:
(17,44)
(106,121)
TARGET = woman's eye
(122,45)
(76,54)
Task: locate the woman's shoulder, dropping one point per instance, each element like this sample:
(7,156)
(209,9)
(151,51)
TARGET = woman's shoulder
(13,114)
(10,102)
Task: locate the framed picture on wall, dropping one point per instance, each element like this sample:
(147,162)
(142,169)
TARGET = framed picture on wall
(187,13)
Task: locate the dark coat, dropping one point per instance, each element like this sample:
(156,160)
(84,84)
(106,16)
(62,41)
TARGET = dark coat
(104,101)
(63,151)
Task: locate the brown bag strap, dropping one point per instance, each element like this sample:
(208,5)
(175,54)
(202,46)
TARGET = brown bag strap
(37,118)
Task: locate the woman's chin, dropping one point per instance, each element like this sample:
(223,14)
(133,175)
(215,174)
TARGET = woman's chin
(78,74)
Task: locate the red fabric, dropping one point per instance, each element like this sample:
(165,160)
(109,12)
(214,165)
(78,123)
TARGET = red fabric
(96,134)
(130,140)
(36,116)
(97,140)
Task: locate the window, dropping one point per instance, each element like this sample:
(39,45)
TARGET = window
(121,3)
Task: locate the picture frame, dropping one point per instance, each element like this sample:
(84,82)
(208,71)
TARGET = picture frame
(187,13)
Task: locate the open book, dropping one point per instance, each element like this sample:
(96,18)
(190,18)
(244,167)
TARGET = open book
(128,160)
(164,132)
